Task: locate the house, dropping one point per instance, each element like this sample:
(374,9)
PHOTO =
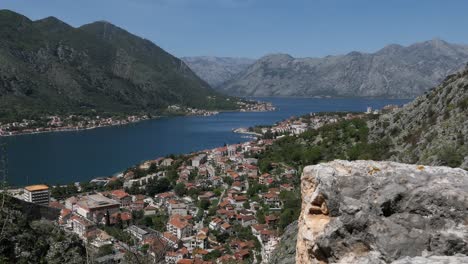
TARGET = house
(123,218)
(215,223)
(82,226)
(248,220)
(140,181)
(172,257)
(238,186)
(257,228)
(271,220)
(199,253)
(167,162)
(286,187)
(95,207)
(226,228)
(70,203)
(207,196)
(201,239)
(101,239)
(238,201)
(163,198)
(171,239)
(242,254)
(216,180)
(231,150)
(65,215)
(273,200)
(179,226)
(121,196)
(237,244)
(199,160)
(262,179)
(137,205)
(57,205)
(177,208)
(139,233)
(226,259)
(179,255)
(150,210)
(268,236)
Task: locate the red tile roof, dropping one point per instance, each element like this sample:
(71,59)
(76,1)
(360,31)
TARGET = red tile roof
(178,222)
(56,204)
(119,194)
(126,216)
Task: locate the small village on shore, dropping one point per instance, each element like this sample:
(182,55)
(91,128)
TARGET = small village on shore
(57,123)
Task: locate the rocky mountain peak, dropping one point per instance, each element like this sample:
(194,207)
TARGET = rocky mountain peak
(391,49)
(217,70)
(52,24)
(104,30)
(392,72)
(438,42)
(276,58)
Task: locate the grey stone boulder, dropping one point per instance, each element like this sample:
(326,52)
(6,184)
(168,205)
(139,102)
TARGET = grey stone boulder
(379,212)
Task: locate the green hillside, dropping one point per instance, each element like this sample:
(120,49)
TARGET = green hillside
(49,67)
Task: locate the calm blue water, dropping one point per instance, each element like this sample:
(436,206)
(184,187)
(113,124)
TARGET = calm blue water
(66,157)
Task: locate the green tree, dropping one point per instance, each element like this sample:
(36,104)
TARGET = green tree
(204,204)
(228,180)
(114,185)
(158,186)
(213,255)
(260,216)
(180,189)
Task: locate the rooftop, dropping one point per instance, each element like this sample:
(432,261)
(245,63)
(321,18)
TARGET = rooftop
(96,201)
(38,187)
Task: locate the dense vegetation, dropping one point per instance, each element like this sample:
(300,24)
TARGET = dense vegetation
(26,240)
(432,129)
(347,139)
(49,67)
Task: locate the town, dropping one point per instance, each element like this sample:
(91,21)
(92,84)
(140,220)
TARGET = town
(212,206)
(57,123)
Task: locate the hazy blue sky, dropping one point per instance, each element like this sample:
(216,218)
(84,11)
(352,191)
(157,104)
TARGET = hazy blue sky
(252,28)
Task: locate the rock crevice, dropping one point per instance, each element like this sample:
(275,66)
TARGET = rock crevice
(380,212)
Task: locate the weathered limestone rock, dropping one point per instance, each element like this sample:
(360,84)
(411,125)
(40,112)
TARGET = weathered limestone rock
(379,212)
(433,260)
(285,252)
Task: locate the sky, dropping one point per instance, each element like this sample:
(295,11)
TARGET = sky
(253,28)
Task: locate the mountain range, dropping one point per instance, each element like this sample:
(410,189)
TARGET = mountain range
(393,72)
(432,130)
(217,70)
(50,67)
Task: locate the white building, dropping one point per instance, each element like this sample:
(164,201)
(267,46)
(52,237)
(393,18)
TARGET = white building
(199,160)
(179,226)
(38,194)
(95,207)
(138,232)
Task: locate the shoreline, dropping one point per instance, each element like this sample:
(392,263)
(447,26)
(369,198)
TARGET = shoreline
(242,130)
(129,122)
(77,129)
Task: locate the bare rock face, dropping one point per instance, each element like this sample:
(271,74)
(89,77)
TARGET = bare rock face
(380,212)
(217,70)
(394,71)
